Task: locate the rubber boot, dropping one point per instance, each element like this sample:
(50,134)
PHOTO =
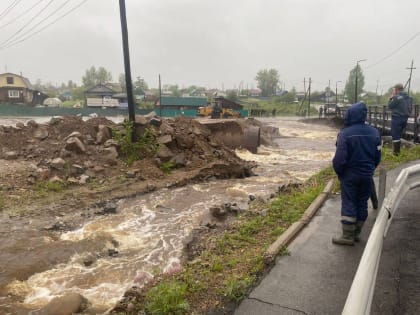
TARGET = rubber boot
(348,235)
(358,230)
(396,146)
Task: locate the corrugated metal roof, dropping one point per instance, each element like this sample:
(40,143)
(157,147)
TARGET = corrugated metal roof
(184,101)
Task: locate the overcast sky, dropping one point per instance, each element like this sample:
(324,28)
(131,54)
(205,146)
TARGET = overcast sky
(216,43)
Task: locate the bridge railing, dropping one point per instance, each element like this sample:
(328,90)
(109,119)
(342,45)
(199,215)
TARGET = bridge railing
(359,299)
(380,117)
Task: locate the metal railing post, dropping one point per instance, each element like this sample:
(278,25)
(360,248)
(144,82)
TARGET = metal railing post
(383,120)
(382,187)
(416,123)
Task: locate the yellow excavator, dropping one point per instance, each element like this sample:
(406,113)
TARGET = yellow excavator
(216,111)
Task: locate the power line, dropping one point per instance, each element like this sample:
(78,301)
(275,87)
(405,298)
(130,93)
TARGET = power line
(394,51)
(19,16)
(30,21)
(46,26)
(9,8)
(36,25)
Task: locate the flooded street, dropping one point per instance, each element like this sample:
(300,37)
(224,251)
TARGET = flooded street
(147,234)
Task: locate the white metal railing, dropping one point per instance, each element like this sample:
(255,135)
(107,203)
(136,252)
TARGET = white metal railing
(359,299)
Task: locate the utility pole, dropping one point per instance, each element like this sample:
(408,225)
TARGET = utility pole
(336,93)
(127,67)
(309,95)
(304,85)
(329,90)
(160,97)
(409,79)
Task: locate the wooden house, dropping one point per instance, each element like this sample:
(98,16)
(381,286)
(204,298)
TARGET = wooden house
(100,96)
(16,89)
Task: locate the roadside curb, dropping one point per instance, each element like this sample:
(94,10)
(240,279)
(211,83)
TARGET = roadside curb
(296,227)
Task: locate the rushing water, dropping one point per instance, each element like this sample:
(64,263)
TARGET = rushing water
(149,232)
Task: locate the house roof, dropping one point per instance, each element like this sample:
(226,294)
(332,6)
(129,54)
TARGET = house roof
(98,89)
(184,101)
(25,80)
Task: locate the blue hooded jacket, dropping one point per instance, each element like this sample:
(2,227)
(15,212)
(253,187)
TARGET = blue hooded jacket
(358,145)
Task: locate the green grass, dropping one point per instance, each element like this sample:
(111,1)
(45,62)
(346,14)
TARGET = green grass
(236,289)
(167,298)
(390,161)
(135,150)
(44,187)
(167,167)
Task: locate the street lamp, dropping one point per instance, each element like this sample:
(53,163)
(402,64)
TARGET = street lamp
(357,71)
(336,93)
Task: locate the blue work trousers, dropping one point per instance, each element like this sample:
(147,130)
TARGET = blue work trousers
(355,193)
(398,124)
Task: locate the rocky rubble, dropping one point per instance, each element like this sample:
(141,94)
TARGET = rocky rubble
(71,150)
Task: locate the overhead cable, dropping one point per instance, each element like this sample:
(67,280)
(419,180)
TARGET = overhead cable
(20,15)
(9,8)
(28,23)
(44,27)
(36,25)
(394,51)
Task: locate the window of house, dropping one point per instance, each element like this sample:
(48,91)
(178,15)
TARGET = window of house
(9,80)
(13,94)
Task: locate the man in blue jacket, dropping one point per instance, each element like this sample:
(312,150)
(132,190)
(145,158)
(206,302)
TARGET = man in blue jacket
(357,155)
(400,105)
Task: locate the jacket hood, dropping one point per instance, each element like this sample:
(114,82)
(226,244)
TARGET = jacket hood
(356,114)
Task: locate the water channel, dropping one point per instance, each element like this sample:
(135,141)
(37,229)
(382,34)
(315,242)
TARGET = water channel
(151,230)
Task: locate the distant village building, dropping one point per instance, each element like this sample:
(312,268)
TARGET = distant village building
(16,89)
(181,103)
(101,96)
(225,103)
(255,92)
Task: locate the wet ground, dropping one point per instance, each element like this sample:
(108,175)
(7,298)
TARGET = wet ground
(143,235)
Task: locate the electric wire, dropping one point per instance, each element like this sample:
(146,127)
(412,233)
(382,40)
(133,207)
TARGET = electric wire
(22,14)
(394,51)
(45,26)
(30,21)
(37,24)
(9,9)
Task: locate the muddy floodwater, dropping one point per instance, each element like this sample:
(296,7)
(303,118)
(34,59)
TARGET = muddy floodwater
(147,234)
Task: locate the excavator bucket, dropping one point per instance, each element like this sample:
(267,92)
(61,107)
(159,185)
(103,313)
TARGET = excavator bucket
(234,133)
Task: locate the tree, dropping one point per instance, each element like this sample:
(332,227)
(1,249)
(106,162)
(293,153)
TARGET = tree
(103,76)
(351,84)
(121,80)
(89,79)
(267,81)
(232,95)
(93,77)
(174,89)
(140,86)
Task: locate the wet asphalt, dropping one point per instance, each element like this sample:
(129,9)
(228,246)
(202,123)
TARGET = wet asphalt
(316,276)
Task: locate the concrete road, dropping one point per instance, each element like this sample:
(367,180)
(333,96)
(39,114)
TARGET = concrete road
(316,277)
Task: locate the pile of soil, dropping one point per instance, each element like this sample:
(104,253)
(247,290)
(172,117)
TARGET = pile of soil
(72,151)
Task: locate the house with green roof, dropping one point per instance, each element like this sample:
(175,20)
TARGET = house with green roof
(181,103)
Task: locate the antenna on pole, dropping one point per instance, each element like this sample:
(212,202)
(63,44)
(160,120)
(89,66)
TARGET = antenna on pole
(309,96)
(409,79)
